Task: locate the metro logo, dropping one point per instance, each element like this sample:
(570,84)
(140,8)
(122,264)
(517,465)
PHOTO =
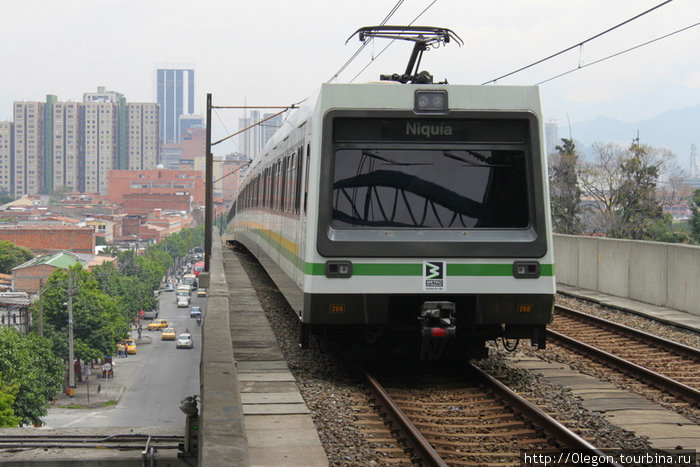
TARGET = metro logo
(434,275)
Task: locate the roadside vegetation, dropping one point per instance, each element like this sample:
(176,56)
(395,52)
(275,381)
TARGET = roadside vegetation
(104,301)
(621,193)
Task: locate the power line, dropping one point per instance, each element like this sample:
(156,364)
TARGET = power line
(580,44)
(293,106)
(364,44)
(620,53)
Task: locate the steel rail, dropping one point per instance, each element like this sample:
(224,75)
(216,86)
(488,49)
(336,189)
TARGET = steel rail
(643,336)
(685,392)
(555,429)
(421,447)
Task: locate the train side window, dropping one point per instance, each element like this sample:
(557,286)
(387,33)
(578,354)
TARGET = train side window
(283,185)
(306,175)
(297,184)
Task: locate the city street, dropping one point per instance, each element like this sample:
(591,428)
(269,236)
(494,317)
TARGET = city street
(154,380)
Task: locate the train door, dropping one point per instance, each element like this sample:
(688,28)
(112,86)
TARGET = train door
(304,159)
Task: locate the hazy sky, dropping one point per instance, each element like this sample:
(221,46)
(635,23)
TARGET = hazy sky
(267,52)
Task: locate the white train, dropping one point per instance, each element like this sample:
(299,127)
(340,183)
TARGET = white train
(406,217)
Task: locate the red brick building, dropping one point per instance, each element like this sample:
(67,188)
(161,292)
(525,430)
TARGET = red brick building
(144,204)
(156,182)
(50,238)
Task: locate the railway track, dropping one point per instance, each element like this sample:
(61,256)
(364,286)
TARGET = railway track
(658,362)
(447,421)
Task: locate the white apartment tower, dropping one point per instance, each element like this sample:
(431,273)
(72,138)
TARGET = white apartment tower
(6,157)
(65,143)
(28,138)
(143,138)
(100,142)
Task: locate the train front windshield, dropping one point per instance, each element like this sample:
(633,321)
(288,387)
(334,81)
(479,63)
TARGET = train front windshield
(419,177)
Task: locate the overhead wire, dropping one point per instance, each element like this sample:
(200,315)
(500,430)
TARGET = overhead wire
(620,53)
(580,44)
(364,44)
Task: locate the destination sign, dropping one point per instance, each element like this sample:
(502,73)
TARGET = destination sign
(431,130)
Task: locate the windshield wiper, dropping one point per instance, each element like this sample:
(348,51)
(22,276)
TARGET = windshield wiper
(475,154)
(393,162)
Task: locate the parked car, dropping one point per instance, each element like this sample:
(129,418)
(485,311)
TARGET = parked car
(150,314)
(168,334)
(195,311)
(183,302)
(184,341)
(130,346)
(157,324)
(169,288)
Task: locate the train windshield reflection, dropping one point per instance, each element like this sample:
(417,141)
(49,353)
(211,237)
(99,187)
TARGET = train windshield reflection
(430,188)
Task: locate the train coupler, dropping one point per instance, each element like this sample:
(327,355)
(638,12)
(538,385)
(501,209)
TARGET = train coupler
(438,319)
(438,322)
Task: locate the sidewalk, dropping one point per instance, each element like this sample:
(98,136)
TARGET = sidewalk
(103,390)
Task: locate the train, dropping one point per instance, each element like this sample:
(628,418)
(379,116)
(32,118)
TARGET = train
(406,218)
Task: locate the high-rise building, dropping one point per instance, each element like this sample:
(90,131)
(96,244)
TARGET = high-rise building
(143,145)
(175,95)
(28,136)
(100,144)
(253,140)
(65,145)
(269,127)
(249,140)
(551,134)
(6,157)
(54,145)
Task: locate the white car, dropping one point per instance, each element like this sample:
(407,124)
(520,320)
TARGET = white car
(184,341)
(183,302)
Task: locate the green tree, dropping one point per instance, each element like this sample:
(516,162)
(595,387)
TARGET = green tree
(637,205)
(622,184)
(695,217)
(31,371)
(56,196)
(8,394)
(5,196)
(12,255)
(565,193)
(98,322)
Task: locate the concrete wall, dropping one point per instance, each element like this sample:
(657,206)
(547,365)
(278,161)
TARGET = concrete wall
(661,274)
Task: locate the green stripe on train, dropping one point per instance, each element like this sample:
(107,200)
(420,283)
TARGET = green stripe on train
(412,269)
(369,269)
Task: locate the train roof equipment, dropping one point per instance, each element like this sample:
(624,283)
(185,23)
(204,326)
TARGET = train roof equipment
(422,37)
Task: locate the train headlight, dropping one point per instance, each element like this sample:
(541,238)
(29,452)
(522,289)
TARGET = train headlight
(341,269)
(430,101)
(526,269)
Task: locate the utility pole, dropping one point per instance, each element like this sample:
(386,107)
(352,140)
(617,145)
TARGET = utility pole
(41,307)
(209,195)
(71,373)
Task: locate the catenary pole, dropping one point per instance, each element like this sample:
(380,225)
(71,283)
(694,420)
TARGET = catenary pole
(208,186)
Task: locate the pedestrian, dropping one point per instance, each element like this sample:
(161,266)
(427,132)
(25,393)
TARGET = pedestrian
(139,329)
(120,350)
(78,373)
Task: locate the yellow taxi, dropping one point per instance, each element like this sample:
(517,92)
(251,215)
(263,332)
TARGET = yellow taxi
(201,292)
(157,324)
(130,346)
(168,334)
